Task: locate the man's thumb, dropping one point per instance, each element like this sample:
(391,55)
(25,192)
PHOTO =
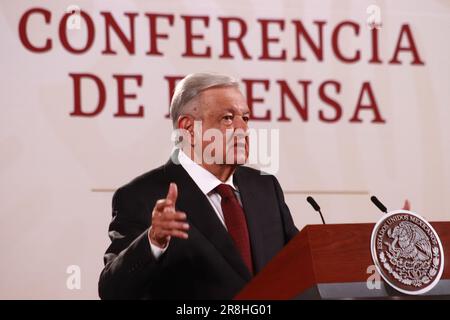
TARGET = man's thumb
(172,194)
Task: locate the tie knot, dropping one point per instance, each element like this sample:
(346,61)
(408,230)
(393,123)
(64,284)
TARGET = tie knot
(225,191)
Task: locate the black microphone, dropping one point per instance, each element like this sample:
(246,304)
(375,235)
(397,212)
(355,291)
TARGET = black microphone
(315,206)
(378,204)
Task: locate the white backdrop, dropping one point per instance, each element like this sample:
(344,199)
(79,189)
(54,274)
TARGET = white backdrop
(57,170)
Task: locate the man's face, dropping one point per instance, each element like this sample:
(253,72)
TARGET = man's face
(225,109)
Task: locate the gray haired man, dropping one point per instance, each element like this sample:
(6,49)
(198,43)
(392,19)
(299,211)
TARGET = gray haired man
(202,225)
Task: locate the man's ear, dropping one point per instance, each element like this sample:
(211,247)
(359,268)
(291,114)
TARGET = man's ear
(186,123)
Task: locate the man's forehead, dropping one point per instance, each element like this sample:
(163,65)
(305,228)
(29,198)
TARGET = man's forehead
(224,98)
(223,92)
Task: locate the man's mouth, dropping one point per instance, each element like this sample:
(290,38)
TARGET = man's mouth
(240,145)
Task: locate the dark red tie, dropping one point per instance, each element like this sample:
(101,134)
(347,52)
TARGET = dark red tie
(236,223)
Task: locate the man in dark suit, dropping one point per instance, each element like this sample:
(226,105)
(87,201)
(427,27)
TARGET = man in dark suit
(202,225)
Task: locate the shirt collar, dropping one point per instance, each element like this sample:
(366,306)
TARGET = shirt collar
(204,179)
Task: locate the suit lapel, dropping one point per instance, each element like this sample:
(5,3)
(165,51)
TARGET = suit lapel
(201,214)
(253,208)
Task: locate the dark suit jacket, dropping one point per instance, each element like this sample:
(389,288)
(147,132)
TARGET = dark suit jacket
(206,265)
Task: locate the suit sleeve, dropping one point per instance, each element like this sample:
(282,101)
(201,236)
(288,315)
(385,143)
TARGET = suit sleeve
(290,230)
(129,263)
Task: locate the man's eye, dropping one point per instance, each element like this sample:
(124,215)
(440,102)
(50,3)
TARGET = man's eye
(228,118)
(246,118)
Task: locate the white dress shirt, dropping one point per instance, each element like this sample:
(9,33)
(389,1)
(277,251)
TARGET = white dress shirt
(206,182)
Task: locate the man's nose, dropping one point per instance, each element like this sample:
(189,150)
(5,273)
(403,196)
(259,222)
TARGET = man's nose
(240,123)
(241,130)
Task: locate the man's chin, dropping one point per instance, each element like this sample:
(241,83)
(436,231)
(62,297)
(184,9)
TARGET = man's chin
(239,158)
(234,157)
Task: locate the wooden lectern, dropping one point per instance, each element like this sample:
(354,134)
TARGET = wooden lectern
(331,262)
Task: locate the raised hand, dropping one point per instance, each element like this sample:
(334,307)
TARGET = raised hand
(166,221)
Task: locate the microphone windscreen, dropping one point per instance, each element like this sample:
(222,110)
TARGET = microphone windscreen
(313,203)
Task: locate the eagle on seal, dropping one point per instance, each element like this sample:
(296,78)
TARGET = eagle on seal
(410,242)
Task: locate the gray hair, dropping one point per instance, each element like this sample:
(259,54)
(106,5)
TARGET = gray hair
(191,86)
